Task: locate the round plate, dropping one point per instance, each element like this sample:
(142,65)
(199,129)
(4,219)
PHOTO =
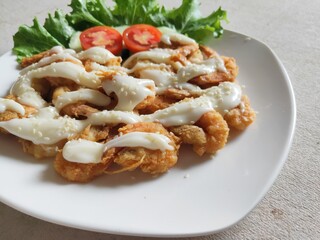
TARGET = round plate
(198,196)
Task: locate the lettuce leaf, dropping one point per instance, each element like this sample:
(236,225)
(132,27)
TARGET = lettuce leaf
(99,10)
(80,17)
(59,27)
(136,11)
(32,40)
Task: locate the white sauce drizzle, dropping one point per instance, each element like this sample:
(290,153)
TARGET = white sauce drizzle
(156,55)
(42,128)
(47,127)
(130,91)
(61,56)
(92,96)
(113,117)
(97,54)
(171,36)
(224,97)
(8,104)
(84,151)
(27,95)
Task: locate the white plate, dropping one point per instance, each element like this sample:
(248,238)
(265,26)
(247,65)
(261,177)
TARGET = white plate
(198,196)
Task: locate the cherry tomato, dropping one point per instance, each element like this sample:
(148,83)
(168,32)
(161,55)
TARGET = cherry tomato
(141,37)
(104,36)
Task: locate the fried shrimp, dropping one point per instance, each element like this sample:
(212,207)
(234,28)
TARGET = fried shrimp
(216,131)
(27,61)
(241,116)
(159,102)
(213,79)
(9,114)
(41,150)
(80,172)
(150,161)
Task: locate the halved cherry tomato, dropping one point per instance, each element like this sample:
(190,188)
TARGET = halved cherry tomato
(103,36)
(141,37)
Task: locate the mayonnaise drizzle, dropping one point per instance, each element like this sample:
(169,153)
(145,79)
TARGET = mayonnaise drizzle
(8,104)
(84,151)
(224,97)
(42,128)
(91,96)
(130,91)
(97,54)
(171,36)
(47,127)
(27,94)
(156,55)
(61,56)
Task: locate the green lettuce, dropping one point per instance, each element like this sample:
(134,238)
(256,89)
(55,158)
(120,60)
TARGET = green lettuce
(59,28)
(32,40)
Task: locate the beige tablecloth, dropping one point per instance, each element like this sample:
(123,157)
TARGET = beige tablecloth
(291,209)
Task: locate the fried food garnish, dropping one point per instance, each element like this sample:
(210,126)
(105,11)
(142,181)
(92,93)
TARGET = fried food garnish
(241,116)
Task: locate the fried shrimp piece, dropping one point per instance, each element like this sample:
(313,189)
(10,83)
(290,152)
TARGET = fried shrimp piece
(213,79)
(41,150)
(145,103)
(87,63)
(78,110)
(216,131)
(94,133)
(167,98)
(80,172)
(159,102)
(207,52)
(191,134)
(149,161)
(241,116)
(27,61)
(9,115)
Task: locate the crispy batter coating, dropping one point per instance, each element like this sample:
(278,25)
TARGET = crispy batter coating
(79,172)
(213,79)
(41,150)
(78,110)
(242,116)
(151,161)
(191,134)
(9,115)
(35,58)
(159,102)
(216,130)
(87,63)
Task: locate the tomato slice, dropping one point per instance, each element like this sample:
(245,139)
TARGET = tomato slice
(104,36)
(141,37)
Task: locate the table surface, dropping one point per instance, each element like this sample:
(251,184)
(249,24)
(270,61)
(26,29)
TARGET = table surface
(291,209)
